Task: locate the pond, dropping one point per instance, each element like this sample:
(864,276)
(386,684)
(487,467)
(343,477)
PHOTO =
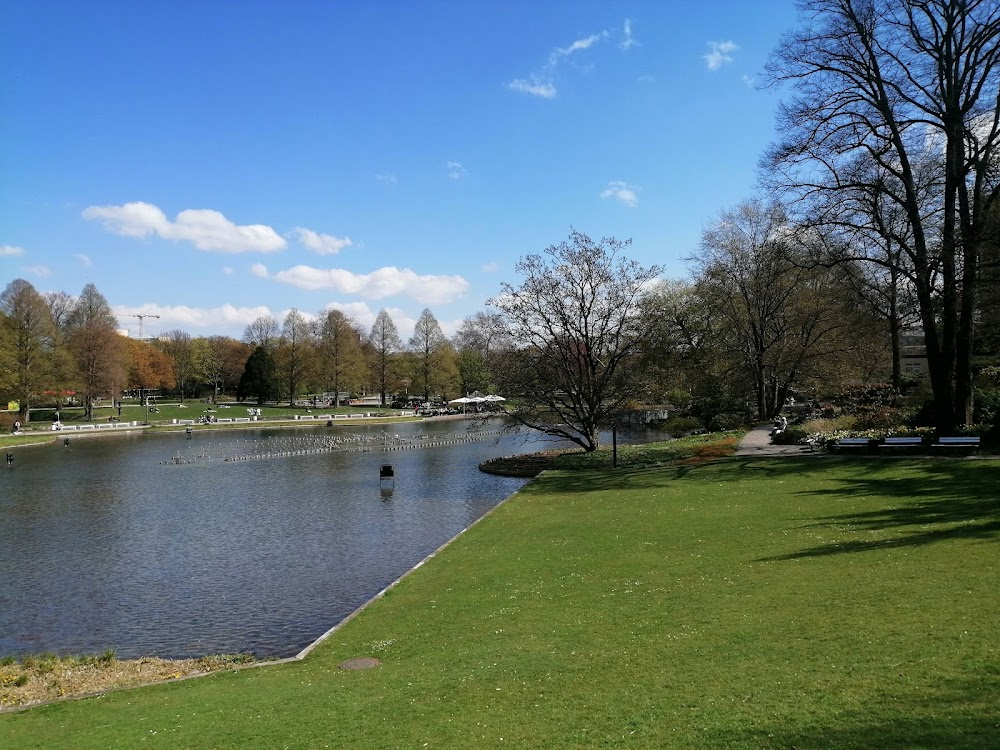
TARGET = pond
(175,546)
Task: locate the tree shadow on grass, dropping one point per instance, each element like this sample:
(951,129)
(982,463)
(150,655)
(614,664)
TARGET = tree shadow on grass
(958,713)
(947,501)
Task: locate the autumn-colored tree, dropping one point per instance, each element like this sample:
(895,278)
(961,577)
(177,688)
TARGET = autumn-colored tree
(148,367)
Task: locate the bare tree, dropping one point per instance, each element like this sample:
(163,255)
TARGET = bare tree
(779,315)
(263,332)
(904,84)
(27,343)
(477,341)
(176,344)
(385,344)
(576,324)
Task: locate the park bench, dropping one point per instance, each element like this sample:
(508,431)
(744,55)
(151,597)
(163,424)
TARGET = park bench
(892,443)
(957,443)
(850,443)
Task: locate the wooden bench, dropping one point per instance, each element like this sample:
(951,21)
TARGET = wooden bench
(891,443)
(851,443)
(957,443)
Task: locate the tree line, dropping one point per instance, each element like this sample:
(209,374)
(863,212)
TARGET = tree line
(877,224)
(54,344)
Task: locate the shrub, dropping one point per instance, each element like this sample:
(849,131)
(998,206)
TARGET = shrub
(790,436)
(879,418)
(726,421)
(923,416)
(679,425)
(827,425)
(987,406)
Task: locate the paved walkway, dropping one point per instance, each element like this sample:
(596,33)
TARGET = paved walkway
(757,442)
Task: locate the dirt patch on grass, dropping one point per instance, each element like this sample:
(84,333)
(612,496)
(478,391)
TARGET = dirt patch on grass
(711,451)
(46,678)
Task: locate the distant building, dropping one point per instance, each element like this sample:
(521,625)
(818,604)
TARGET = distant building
(912,353)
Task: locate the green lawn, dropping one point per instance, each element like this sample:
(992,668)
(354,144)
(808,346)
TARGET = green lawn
(39,427)
(746,603)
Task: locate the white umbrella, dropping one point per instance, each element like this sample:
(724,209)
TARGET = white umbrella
(494,398)
(462,400)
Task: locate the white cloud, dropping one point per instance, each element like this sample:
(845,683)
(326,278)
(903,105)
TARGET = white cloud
(322,244)
(542,83)
(623,192)
(228,270)
(386,177)
(181,316)
(456,171)
(204,228)
(628,42)
(385,282)
(750,81)
(259,270)
(491,267)
(360,311)
(535,87)
(85,260)
(719,54)
(580,44)
(9,251)
(646,79)
(40,271)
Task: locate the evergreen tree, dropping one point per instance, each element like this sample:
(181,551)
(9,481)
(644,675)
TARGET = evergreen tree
(260,378)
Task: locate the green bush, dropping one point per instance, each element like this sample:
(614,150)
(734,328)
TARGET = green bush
(726,421)
(680,425)
(986,409)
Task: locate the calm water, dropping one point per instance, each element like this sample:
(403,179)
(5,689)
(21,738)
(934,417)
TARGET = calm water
(108,545)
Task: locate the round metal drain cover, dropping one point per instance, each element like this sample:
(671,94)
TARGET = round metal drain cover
(362,662)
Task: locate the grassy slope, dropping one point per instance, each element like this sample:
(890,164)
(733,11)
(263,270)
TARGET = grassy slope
(745,603)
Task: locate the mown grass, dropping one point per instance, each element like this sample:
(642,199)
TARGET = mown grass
(758,603)
(39,429)
(694,448)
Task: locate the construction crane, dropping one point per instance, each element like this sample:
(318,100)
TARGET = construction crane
(140,316)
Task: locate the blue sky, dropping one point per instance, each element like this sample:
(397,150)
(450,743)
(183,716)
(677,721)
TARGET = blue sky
(211,162)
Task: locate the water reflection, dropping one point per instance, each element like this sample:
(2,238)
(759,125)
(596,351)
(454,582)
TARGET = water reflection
(108,544)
